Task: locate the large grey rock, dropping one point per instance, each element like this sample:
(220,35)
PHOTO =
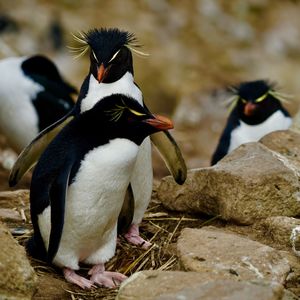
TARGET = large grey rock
(159,285)
(17,277)
(251,183)
(220,255)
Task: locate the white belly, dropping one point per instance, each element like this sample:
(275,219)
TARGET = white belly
(18,118)
(252,133)
(142,177)
(93,203)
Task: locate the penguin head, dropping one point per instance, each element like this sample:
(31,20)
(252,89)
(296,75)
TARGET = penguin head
(256,101)
(110,55)
(124,117)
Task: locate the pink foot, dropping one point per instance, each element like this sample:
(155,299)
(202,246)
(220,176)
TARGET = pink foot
(105,278)
(133,237)
(74,278)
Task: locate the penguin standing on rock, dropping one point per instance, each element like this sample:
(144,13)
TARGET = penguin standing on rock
(257,111)
(33,95)
(79,184)
(111,72)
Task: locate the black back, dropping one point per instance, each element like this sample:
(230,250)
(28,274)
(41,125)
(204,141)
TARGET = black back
(55,100)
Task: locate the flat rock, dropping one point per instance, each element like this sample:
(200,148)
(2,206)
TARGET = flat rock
(221,255)
(17,277)
(251,183)
(8,214)
(169,285)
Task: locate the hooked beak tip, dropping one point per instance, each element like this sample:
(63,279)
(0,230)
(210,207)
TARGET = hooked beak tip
(160,122)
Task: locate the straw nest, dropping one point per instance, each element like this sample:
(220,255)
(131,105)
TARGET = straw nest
(159,226)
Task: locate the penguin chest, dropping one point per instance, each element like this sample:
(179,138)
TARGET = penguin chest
(94,199)
(98,91)
(245,133)
(96,196)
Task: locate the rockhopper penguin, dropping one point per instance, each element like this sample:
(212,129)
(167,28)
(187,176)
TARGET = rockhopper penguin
(79,184)
(111,72)
(257,111)
(33,95)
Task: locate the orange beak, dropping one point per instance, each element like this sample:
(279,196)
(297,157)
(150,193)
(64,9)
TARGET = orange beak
(160,122)
(101,73)
(249,109)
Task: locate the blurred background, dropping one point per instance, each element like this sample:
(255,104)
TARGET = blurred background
(197,48)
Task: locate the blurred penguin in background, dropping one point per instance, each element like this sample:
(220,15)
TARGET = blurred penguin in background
(256,111)
(33,95)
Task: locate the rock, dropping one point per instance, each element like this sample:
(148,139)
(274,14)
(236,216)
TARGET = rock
(50,288)
(18,196)
(17,277)
(9,214)
(279,229)
(169,285)
(288,295)
(15,206)
(296,123)
(220,255)
(285,142)
(293,278)
(251,183)
(295,240)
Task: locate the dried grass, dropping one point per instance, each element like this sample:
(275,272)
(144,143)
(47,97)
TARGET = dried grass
(159,226)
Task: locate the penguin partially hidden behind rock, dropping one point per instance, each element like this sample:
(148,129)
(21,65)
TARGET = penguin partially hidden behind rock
(79,184)
(111,72)
(257,111)
(33,95)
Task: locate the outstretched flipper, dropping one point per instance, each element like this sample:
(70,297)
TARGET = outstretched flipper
(31,154)
(171,154)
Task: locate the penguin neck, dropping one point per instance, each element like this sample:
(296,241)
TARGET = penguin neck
(97,91)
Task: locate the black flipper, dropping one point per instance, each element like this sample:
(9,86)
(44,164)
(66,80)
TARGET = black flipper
(171,154)
(224,142)
(39,200)
(31,154)
(222,148)
(57,194)
(127,211)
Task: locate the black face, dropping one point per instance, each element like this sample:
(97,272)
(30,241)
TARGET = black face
(255,101)
(110,57)
(123,117)
(114,67)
